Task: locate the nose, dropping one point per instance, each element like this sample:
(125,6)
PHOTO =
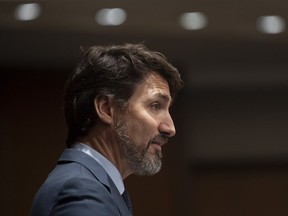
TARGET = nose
(167,126)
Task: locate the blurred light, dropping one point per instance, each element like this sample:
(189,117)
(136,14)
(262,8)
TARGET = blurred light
(110,16)
(26,12)
(193,21)
(271,24)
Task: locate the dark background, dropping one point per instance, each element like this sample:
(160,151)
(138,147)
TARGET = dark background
(229,156)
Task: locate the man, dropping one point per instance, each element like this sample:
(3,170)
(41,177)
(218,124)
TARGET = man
(117,111)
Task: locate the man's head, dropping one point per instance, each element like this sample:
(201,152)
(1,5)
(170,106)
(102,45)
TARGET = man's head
(112,71)
(146,125)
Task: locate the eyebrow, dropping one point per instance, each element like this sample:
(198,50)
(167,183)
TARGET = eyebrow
(165,97)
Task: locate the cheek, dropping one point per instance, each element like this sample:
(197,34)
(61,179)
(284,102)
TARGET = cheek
(142,131)
(142,125)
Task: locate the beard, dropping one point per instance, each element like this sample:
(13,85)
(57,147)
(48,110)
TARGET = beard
(139,160)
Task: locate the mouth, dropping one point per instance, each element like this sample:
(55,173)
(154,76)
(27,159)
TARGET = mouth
(159,140)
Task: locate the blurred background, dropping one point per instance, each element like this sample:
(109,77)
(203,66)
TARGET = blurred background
(230,154)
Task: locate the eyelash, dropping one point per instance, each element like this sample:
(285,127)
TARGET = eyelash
(156,106)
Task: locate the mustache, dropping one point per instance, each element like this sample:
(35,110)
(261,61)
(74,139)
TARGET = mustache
(161,138)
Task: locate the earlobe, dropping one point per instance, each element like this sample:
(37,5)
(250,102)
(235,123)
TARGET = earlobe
(103,108)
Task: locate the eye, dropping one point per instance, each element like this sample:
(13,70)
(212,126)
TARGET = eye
(156,106)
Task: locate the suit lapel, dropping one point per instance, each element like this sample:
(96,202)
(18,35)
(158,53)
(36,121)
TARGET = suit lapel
(99,173)
(122,206)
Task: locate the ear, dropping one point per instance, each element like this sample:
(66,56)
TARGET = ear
(104,108)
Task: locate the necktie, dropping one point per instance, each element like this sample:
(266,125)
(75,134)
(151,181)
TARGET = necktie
(127,201)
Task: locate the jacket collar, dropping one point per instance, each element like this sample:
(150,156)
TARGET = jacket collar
(73,155)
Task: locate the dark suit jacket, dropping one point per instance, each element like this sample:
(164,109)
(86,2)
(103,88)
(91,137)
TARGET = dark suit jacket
(78,185)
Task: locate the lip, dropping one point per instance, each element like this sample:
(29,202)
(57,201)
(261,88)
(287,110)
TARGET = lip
(159,141)
(157,145)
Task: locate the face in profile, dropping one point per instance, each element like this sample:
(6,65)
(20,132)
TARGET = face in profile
(146,125)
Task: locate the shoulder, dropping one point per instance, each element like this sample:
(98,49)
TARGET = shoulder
(85,184)
(69,189)
(74,196)
(82,195)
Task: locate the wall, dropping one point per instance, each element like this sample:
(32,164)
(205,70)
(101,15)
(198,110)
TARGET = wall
(229,156)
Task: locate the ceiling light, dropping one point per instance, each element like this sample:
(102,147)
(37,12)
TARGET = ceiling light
(110,16)
(26,12)
(193,20)
(271,24)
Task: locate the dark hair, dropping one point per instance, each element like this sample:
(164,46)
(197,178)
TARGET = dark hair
(113,71)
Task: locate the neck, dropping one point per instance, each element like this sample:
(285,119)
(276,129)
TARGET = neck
(105,142)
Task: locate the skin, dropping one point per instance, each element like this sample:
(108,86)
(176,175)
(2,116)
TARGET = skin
(132,139)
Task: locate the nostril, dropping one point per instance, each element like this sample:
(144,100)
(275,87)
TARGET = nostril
(168,129)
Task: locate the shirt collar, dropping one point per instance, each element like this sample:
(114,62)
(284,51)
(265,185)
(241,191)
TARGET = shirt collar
(105,163)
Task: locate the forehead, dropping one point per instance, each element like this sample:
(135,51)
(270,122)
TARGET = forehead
(153,85)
